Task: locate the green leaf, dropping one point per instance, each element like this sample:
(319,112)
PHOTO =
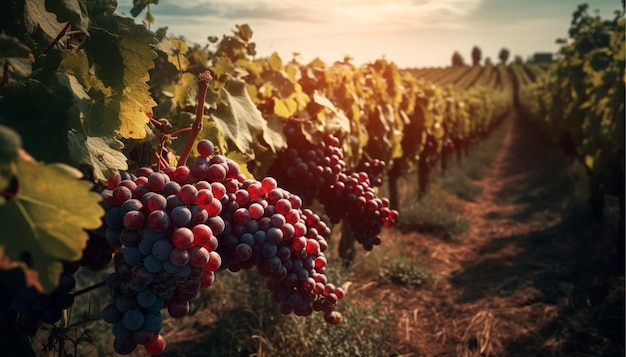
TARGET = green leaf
(274,135)
(177,54)
(280,82)
(334,119)
(139,5)
(185,90)
(70,10)
(122,53)
(275,62)
(149,18)
(244,32)
(237,117)
(285,108)
(103,154)
(48,217)
(37,17)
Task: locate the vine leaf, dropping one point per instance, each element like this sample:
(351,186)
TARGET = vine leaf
(176,55)
(37,17)
(68,10)
(139,5)
(333,118)
(237,117)
(48,217)
(123,54)
(274,133)
(102,153)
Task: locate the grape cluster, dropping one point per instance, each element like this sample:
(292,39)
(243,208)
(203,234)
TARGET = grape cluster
(353,199)
(318,171)
(164,225)
(374,170)
(305,168)
(268,230)
(174,229)
(30,307)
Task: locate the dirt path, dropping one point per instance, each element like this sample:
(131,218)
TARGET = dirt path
(516,283)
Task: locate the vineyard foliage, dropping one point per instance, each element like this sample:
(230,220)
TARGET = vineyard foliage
(97,111)
(90,88)
(579,102)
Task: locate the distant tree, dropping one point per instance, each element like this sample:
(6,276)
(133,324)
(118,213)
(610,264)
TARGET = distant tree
(457,59)
(518,59)
(504,55)
(488,61)
(476,56)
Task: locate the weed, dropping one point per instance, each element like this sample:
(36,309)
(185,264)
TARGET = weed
(431,215)
(457,182)
(404,272)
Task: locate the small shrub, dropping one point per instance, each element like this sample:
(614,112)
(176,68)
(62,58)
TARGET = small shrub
(404,272)
(458,183)
(432,216)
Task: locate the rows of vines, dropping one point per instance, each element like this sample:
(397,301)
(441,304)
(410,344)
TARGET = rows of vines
(163,162)
(579,103)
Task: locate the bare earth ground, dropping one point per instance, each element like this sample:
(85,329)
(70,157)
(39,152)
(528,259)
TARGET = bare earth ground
(524,280)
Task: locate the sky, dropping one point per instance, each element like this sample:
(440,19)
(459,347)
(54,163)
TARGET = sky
(410,33)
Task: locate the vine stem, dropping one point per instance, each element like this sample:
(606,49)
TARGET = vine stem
(156,123)
(159,155)
(90,288)
(5,72)
(180,131)
(59,37)
(203,83)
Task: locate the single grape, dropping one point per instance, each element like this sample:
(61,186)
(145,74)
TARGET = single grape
(133,319)
(179,257)
(156,345)
(124,346)
(153,321)
(180,216)
(205,147)
(183,238)
(198,256)
(178,308)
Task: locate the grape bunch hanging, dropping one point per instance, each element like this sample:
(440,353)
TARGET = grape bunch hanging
(175,228)
(318,171)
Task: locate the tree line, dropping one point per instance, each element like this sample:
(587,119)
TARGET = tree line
(503,56)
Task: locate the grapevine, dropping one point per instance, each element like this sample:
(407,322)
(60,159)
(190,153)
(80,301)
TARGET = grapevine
(163,180)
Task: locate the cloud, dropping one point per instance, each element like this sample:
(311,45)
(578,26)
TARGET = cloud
(348,12)
(282,11)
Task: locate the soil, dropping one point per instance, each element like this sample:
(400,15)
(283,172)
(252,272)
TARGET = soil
(532,276)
